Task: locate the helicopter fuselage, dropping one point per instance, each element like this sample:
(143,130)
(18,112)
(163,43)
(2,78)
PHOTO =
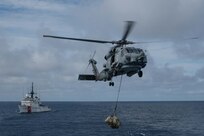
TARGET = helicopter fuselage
(119,61)
(125,60)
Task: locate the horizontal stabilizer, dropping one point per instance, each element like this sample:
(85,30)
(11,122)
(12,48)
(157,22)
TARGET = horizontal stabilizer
(87,77)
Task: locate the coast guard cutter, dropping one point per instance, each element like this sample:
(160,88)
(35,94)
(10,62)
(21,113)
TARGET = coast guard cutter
(31,103)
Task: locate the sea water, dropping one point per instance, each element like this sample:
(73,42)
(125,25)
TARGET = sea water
(87,119)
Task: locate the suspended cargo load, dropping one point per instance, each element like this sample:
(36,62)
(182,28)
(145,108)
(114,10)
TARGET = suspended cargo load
(113,121)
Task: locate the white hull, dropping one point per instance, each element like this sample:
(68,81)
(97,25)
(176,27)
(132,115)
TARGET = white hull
(30,109)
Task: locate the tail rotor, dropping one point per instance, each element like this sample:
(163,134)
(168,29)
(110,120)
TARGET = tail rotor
(91,58)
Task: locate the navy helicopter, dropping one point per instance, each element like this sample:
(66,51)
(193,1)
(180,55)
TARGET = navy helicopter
(120,59)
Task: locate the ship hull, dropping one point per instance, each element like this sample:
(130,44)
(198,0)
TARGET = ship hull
(31,109)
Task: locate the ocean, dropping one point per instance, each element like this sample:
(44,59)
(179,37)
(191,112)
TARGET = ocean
(87,119)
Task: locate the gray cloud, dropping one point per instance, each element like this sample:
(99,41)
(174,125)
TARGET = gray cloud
(55,64)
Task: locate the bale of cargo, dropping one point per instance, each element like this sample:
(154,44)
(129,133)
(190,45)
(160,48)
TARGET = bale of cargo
(113,121)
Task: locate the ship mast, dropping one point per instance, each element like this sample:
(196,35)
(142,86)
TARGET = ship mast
(32,92)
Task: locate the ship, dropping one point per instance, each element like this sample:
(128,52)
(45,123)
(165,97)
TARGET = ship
(31,103)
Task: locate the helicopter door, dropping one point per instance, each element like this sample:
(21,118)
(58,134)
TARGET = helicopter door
(113,57)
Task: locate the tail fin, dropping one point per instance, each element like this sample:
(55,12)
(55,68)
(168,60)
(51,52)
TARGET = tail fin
(95,70)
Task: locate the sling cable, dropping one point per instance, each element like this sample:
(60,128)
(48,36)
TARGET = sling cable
(112,120)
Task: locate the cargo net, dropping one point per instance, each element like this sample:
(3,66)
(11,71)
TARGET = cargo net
(112,120)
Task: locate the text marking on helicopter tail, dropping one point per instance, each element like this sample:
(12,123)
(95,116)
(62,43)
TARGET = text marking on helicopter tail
(87,77)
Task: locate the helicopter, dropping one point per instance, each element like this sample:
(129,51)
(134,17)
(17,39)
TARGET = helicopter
(120,59)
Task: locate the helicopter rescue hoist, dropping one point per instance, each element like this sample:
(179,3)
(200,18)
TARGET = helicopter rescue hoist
(120,59)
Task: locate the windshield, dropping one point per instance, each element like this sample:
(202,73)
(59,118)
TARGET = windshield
(133,50)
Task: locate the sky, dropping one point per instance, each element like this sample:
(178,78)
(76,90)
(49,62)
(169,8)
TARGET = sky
(175,68)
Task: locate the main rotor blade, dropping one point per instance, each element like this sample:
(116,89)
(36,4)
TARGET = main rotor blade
(129,26)
(190,38)
(79,39)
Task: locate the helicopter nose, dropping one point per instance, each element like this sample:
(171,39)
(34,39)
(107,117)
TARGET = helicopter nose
(142,58)
(145,59)
(138,58)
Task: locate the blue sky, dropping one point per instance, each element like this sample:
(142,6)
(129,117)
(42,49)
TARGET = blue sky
(174,71)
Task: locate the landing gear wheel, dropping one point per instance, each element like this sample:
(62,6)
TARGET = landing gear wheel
(140,73)
(111,83)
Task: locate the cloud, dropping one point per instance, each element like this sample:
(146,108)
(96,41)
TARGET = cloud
(173,72)
(44,5)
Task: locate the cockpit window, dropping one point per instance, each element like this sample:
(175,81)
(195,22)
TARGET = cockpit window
(127,49)
(133,50)
(138,50)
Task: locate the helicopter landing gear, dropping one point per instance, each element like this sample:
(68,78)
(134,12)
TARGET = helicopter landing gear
(140,73)
(111,83)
